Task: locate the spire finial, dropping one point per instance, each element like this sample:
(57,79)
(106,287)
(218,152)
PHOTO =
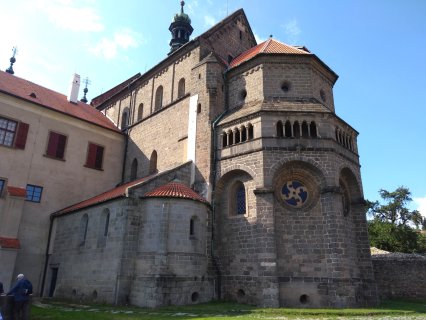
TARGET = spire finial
(182,3)
(12,61)
(86,81)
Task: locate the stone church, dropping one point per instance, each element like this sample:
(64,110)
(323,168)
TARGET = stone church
(238,181)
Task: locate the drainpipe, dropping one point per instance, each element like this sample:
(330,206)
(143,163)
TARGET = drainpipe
(127,131)
(46,261)
(213,176)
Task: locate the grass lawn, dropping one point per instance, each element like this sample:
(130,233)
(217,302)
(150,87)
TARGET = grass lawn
(221,310)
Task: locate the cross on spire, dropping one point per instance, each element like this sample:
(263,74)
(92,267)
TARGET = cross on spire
(86,82)
(12,61)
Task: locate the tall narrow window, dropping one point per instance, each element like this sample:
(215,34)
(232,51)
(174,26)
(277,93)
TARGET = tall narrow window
(250,131)
(224,140)
(237,136)
(2,184)
(296,129)
(83,229)
(243,134)
(230,137)
(95,156)
(153,162)
(181,88)
(159,98)
(287,129)
(241,199)
(192,227)
(313,130)
(134,170)
(140,112)
(56,145)
(305,130)
(125,118)
(34,193)
(103,228)
(279,129)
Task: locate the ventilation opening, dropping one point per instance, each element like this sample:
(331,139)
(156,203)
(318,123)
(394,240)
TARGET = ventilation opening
(74,292)
(199,108)
(194,296)
(94,295)
(285,86)
(241,293)
(243,94)
(304,299)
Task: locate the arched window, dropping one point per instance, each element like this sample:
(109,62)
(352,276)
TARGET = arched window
(287,129)
(125,119)
(250,131)
(237,198)
(230,137)
(243,134)
(159,98)
(140,112)
(279,129)
(181,88)
(313,130)
(153,162)
(83,228)
(224,140)
(237,135)
(103,227)
(134,170)
(305,130)
(296,129)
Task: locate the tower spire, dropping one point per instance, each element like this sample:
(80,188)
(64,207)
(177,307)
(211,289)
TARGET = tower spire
(180,28)
(12,61)
(86,82)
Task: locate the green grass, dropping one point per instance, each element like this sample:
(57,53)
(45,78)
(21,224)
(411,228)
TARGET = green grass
(223,311)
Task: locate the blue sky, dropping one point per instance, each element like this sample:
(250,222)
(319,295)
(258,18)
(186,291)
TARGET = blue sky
(376,47)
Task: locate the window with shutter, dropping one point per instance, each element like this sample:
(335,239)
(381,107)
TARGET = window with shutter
(95,156)
(21,136)
(56,145)
(7,131)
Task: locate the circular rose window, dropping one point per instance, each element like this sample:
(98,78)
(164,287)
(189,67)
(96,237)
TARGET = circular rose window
(294,193)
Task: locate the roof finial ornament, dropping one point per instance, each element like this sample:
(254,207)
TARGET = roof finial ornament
(12,61)
(86,81)
(182,3)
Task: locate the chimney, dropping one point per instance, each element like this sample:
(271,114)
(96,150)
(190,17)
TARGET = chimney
(73,89)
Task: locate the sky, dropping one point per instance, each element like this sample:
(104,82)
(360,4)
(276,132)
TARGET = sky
(377,47)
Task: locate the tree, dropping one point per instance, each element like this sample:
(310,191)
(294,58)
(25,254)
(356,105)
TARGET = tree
(390,228)
(395,210)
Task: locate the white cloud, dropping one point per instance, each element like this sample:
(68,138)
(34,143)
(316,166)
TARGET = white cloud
(292,30)
(209,21)
(67,15)
(190,8)
(258,38)
(421,205)
(108,48)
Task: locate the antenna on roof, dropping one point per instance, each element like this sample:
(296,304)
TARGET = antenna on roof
(86,82)
(227,7)
(12,61)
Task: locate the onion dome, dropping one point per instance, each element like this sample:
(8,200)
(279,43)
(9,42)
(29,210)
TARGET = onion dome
(180,29)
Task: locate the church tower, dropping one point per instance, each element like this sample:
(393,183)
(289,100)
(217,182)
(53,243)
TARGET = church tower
(180,28)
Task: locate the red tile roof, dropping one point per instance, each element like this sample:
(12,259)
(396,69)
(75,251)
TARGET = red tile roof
(16,192)
(268,46)
(9,243)
(120,191)
(29,91)
(175,190)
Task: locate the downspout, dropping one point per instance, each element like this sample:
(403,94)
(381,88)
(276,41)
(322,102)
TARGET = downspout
(127,131)
(213,180)
(46,261)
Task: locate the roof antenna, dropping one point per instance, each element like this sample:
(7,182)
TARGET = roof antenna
(227,7)
(86,81)
(12,61)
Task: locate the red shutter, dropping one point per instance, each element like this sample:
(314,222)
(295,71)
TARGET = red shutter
(53,144)
(21,135)
(91,155)
(60,150)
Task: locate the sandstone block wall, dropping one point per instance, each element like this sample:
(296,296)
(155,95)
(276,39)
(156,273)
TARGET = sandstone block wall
(400,276)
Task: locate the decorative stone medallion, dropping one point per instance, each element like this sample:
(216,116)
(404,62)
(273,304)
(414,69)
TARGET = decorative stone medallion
(294,193)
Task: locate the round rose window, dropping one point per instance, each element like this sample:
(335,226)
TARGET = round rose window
(294,193)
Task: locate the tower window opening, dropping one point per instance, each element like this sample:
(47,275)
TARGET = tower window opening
(296,129)
(224,140)
(313,129)
(250,131)
(305,130)
(279,129)
(243,134)
(287,129)
(237,136)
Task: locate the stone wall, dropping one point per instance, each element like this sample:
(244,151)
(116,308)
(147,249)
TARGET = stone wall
(400,276)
